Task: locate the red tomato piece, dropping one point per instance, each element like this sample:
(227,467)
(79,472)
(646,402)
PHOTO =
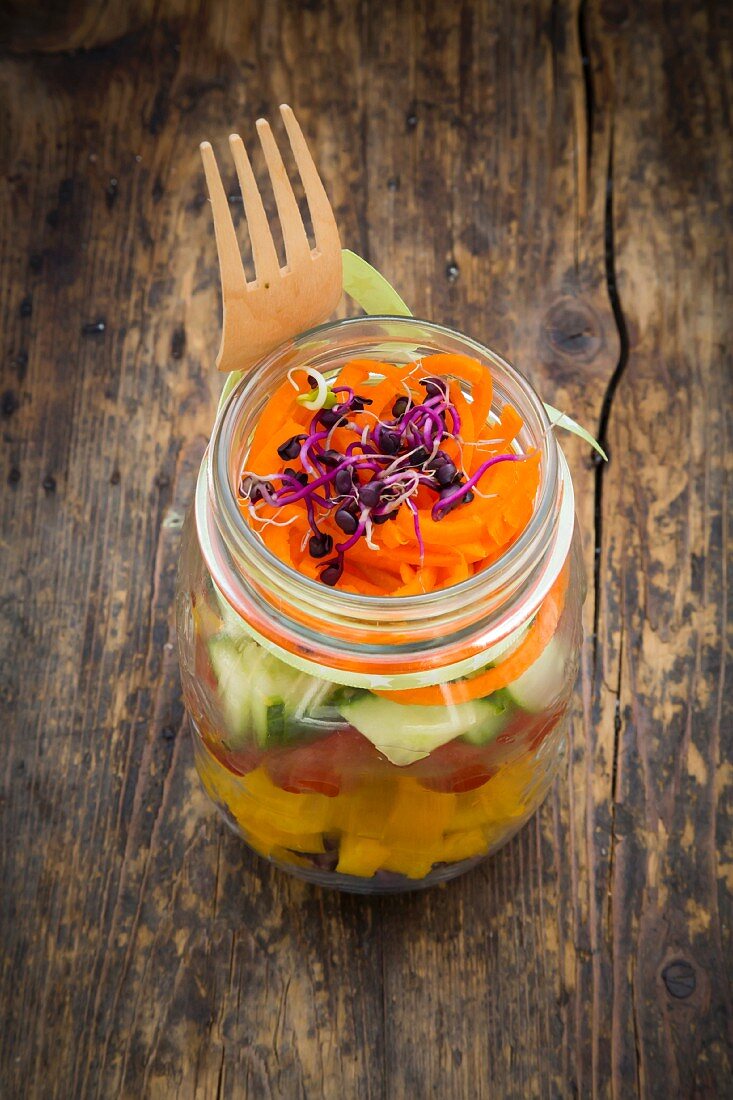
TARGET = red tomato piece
(544,728)
(453,768)
(238,761)
(325,766)
(531,729)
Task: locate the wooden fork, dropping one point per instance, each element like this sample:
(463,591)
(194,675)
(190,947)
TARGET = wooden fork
(281,302)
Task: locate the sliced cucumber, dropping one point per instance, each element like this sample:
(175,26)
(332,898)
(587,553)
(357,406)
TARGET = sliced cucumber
(498,711)
(406,733)
(267,703)
(234,690)
(264,698)
(541,683)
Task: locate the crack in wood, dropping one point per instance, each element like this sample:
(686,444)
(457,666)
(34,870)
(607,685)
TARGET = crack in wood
(220,1077)
(614,785)
(608,397)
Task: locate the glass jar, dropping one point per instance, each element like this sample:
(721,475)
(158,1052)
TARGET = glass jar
(376,744)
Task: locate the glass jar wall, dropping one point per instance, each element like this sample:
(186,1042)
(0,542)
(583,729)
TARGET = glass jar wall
(367,743)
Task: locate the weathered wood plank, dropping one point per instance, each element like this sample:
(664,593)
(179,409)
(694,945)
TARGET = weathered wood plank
(664,613)
(504,185)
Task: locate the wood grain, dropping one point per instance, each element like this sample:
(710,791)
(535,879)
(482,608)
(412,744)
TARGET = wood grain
(551,177)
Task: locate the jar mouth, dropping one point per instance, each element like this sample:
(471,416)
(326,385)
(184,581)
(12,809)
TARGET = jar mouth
(307,616)
(399,328)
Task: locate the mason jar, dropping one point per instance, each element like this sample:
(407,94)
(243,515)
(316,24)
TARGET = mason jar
(371,743)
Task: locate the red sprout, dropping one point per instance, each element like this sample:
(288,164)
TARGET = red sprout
(445,503)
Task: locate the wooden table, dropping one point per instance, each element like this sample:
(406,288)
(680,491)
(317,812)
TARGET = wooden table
(553,178)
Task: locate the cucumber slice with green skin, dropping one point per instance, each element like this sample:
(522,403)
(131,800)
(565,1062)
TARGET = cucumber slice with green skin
(267,704)
(407,733)
(233,689)
(492,723)
(264,698)
(251,700)
(536,688)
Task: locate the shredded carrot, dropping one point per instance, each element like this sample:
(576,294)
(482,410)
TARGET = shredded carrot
(458,542)
(468,370)
(422,580)
(281,407)
(265,459)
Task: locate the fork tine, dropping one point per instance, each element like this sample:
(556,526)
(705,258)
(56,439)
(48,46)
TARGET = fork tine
(297,248)
(230,260)
(324,223)
(266,263)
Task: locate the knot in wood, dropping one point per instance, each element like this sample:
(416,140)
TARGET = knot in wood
(9,403)
(572,328)
(679,978)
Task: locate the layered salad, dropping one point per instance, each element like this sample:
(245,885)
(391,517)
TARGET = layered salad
(382,480)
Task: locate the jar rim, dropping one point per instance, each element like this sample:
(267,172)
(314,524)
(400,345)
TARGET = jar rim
(445,608)
(221,439)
